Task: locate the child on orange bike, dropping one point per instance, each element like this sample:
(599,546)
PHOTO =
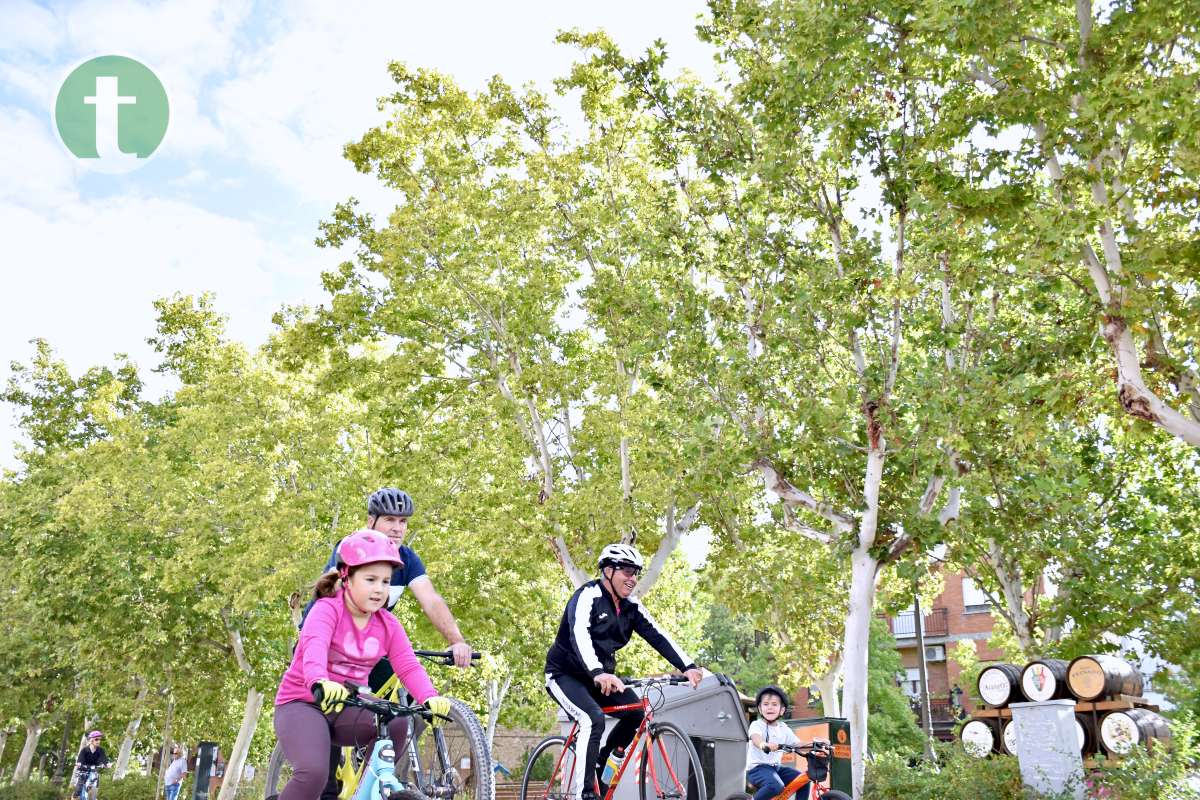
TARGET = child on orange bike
(600,619)
(346,633)
(764,767)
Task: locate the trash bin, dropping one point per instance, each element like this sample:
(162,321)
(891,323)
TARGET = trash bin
(711,715)
(837,732)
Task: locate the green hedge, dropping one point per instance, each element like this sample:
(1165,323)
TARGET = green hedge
(1163,774)
(31,790)
(131,787)
(960,777)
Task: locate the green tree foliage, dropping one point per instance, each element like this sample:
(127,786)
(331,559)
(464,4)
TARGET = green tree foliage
(732,645)
(893,725)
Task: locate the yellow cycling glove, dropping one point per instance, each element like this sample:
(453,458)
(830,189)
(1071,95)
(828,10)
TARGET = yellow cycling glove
(439,707)
(333,695)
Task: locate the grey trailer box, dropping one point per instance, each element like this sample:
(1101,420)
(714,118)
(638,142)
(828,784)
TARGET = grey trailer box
(711,715)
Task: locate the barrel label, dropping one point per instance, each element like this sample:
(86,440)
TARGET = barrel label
(994,687)
(841,751)
(1038,682)
(1119,733)
(1086,678)
(977,738)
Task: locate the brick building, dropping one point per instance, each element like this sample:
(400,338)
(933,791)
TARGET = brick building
(960,613)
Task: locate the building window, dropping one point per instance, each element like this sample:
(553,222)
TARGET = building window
(974,600)
(910,683)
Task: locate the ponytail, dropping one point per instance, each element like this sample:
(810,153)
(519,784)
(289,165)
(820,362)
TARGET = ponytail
(326,585)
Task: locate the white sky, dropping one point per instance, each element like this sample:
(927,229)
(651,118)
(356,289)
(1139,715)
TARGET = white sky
(263,97)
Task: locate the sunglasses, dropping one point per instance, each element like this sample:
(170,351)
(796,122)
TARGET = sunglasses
(629,572)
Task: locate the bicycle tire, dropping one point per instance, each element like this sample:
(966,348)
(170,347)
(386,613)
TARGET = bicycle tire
(547,758)
(464,739)
(834,794)
(668,749)
(278,773)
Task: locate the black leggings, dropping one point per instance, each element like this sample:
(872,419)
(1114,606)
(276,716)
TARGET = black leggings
(582,700)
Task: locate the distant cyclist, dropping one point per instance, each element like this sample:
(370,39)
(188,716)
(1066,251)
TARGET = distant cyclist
(600,619)
(91,758)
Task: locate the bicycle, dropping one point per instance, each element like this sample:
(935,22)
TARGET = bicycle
(87,784)
(378,780)
(452,763)
(660,754)
(816,754)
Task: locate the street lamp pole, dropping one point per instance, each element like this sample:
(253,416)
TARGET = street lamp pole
(923,672)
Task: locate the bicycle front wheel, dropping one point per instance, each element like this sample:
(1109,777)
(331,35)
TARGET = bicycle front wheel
(670,768)
(279,772)
(454,759)
(550,770)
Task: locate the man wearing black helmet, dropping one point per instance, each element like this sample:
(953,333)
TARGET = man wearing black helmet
(388,511)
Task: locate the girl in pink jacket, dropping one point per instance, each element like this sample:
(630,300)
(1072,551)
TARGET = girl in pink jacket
(345,634)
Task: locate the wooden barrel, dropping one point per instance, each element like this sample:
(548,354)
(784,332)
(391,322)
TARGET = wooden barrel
(1121,731)
(1045,679)
(979,737)
(999,685)
(1101,676)
(1087,733)
(1008,737)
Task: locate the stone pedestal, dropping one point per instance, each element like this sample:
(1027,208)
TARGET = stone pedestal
(1048,747)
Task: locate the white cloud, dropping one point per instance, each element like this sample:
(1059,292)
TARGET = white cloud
(35,171)
(29,27)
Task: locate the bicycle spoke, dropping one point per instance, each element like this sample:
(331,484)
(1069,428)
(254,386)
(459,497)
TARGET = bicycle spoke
(550,771)
(670,768)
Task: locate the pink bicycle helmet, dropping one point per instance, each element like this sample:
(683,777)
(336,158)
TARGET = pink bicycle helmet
(95,735)
(367,547)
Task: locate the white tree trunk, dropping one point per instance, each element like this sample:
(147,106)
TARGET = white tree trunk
(241,746)
(3,742)
(131,729)
(864,570)
(827,684)
(33,732)
(1013,590)
(496,692)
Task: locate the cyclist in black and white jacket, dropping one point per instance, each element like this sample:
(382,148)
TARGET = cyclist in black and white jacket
(600,619)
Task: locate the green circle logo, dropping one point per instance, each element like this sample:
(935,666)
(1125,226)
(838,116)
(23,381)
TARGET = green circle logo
(112,113)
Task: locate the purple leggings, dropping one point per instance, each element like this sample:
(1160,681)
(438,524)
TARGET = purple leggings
(305,734)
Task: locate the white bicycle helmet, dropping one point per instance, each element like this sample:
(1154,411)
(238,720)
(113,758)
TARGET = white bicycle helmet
(620,554)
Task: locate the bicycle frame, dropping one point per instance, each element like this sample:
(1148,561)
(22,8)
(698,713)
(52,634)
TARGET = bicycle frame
(800,781)
(634,753)
(390,691)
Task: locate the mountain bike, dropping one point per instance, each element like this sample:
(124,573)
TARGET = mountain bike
(450,762)
(661,756)
(87,785)
(816,754)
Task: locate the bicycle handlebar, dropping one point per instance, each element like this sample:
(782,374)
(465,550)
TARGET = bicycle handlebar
(817,747)
(671,680)
(375,705)
(443,656)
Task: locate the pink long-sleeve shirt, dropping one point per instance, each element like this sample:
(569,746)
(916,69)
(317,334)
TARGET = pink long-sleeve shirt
(333,648)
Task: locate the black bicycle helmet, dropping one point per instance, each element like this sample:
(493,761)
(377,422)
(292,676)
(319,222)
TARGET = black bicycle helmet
(775,690)
(389,502)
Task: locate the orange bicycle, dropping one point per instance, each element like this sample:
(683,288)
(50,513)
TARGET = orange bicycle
(817,755)
(660,755)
